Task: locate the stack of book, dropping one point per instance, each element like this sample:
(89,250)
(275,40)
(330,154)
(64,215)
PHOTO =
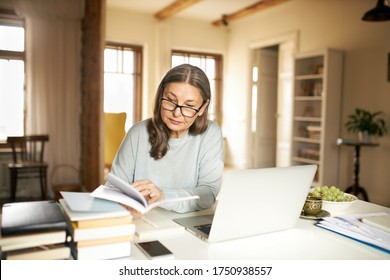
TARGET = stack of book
(314,132)
(104,231)
(35,230)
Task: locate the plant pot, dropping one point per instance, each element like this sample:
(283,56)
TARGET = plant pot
(364,137)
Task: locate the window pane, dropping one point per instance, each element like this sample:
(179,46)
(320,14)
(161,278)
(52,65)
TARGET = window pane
(11,98)
(210,68)
(128,61)
(196,61)
(118,95)
(110,61)
(11,38)
(121,92)
(208,64)
(177,60)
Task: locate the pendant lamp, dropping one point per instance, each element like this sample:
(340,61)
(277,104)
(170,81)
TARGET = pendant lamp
(380,13)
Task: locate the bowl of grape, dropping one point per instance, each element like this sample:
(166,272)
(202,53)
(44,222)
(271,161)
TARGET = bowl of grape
(334,200)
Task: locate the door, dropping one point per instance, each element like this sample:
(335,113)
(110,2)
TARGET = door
(272,95)
(264,107)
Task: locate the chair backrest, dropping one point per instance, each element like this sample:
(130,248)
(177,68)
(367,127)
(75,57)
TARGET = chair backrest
(114,131)
(28,148)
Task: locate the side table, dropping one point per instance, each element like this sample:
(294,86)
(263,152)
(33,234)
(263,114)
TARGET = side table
(356,189)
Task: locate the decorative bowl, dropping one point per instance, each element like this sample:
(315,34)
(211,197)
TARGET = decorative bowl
(335,208)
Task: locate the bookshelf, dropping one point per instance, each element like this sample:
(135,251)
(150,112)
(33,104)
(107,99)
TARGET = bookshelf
(316,112)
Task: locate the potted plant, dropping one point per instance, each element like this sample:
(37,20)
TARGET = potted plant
(366,124)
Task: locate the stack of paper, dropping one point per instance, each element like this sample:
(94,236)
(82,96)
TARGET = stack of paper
(35,230)
(100,229)
(355,226)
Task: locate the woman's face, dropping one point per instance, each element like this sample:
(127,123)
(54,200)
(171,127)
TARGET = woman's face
(182,94)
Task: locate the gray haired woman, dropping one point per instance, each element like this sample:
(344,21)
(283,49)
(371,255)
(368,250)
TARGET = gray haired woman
(179,151)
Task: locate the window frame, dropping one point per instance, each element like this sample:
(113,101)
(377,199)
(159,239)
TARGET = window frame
(137,114)
(9,18)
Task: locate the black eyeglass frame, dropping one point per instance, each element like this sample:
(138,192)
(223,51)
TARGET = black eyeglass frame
(180,107)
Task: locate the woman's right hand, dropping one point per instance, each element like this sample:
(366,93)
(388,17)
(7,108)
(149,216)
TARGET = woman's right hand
(149,190)
(133,212)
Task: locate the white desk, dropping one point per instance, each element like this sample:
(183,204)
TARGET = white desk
(304,242)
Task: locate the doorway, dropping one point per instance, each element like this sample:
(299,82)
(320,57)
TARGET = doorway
(264,106)
(271,101)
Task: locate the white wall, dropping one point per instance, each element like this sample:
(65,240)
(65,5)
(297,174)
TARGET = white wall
(333,24)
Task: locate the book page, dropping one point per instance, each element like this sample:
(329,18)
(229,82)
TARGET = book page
(126,194)
(113,194)
(126,188)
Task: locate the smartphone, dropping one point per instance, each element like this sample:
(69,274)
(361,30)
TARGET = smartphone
(154,250)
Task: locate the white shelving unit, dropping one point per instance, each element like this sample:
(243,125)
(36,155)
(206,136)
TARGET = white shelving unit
(316,112)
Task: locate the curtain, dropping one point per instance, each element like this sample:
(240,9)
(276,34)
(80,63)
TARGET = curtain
(53,69)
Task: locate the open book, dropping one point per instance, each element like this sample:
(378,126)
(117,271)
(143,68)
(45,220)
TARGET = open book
(126,194)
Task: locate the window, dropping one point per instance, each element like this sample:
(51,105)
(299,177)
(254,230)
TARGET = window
(211,64)
(122,81)
(12,76)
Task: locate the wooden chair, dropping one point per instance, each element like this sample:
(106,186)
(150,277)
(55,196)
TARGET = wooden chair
(114,132)
(27,155)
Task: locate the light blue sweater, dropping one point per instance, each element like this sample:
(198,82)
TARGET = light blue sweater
(193,165)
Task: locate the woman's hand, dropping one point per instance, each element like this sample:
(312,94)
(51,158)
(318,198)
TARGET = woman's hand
(149,190)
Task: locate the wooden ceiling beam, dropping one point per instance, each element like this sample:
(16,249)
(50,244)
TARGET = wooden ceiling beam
(254,8)
(174,8)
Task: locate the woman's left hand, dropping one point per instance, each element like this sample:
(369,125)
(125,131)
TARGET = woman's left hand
(149,190)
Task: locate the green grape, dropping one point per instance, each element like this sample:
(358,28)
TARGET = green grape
(332,193)
(316,193)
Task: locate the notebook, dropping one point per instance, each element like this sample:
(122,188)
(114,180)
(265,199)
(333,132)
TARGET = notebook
(253,202)
(31,217)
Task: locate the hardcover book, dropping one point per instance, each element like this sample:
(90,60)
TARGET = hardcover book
(49,252)
(83,217)
(104,222)
(102,252)
(80,234)
(21,241)
(31,217)
(102,241)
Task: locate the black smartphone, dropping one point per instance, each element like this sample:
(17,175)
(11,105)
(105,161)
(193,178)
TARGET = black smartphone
(155,250)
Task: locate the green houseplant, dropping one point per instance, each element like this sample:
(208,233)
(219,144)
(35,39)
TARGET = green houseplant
(366,123)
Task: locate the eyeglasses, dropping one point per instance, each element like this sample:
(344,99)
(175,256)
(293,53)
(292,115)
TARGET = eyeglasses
(185,110)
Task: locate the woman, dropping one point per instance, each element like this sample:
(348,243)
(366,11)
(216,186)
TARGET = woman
(178,152)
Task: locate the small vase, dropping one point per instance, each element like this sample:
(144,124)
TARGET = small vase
(364,137)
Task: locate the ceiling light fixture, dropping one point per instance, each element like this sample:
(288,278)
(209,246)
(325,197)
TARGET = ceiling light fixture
(380,13)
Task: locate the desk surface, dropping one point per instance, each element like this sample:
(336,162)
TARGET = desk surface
(305,241)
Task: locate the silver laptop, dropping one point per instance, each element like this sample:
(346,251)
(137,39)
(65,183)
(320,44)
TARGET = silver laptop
(254,201)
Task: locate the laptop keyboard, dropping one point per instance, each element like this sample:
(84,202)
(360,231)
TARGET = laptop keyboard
(204,228)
